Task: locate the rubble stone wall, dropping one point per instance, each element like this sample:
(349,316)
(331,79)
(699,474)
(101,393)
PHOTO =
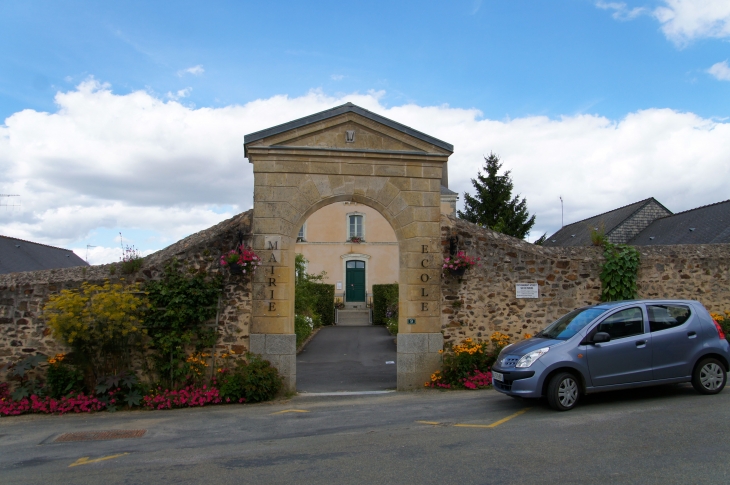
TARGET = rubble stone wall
(483,301)
(23,330)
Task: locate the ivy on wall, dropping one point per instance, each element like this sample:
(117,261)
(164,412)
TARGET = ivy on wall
(619,272)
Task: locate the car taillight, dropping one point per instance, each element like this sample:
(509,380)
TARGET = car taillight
(719,330)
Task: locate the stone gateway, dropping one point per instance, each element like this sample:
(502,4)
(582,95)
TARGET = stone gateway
(349,154)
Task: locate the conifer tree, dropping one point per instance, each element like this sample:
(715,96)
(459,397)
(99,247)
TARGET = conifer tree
(493,206)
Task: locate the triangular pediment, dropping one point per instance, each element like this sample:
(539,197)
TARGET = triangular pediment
(350,134)
(348,127)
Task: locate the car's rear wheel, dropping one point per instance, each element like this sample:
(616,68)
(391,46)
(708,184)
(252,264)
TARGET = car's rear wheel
(709,376)
(563,391)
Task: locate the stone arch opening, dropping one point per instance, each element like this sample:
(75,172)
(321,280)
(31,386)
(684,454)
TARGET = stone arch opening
(348,154)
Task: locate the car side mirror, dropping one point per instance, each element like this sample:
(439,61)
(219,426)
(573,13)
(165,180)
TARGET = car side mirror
(601,337)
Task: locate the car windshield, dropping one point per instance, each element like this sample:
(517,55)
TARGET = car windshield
(568,325)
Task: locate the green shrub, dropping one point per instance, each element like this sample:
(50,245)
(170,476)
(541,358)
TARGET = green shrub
(255,381)
(324,300)
(62,378)
(102,324)
(303,328)
(385,297)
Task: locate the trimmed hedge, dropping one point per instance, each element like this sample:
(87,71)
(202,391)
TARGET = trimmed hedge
(325,301)
(383,296)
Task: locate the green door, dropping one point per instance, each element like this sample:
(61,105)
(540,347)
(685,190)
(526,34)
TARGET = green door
(355,281)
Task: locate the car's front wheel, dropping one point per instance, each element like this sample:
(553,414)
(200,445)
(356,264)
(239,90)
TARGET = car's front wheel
(563,391)
(709,376)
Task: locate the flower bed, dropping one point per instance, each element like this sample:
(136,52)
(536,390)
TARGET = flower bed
(468,365)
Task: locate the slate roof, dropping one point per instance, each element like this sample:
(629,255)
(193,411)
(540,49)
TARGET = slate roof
(447,191)
(709,224)
(345,108)
(578,233)
(17,255)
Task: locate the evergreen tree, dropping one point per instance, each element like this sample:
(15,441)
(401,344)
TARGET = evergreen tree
(493,206)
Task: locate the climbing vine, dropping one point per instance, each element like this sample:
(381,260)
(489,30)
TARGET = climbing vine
(180,305)
(619,272)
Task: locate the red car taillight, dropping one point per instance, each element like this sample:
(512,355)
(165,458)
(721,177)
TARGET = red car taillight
(719,330)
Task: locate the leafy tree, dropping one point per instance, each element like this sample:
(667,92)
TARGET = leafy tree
(181,304)
(493,206)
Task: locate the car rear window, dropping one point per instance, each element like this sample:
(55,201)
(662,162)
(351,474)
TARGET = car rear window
(664,316)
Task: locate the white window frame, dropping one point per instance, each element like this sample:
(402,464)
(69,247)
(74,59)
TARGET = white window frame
(303,232)
(347,222)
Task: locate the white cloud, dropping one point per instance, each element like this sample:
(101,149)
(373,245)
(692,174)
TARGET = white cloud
(195,71)
(620,10)
(685,20)
(720,71)
(182,93)
(681,20)
(337,77)
(135,162)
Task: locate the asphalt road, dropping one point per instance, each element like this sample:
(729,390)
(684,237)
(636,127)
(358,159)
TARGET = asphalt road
(668,435)
(348,359)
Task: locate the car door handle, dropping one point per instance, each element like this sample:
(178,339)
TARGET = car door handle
(641,344)
(692,334)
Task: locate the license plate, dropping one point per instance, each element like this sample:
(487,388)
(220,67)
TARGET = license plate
(497,376)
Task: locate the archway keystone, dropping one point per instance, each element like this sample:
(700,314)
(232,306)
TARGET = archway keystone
(348,154)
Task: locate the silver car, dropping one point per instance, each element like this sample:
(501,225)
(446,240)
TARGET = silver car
(616,345)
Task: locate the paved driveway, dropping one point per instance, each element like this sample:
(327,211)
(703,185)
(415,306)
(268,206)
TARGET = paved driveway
(348,359)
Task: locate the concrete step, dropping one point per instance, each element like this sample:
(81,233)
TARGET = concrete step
(353,317)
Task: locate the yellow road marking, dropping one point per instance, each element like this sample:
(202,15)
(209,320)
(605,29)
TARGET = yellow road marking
(85,460)
(493,425)
(497,423)
(291,411)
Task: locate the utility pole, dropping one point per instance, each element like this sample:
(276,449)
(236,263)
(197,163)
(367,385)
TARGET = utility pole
(562,223)
(87,252)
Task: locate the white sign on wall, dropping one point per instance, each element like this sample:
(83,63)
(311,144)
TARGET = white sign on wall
(339,285)
(526,290)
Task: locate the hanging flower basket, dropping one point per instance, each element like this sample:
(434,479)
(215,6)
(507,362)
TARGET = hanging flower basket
(235,268)
(241,260)
(457,265)
(459,272)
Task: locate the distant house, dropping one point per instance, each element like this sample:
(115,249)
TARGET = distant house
(648,222)
(17,255)
(709,224)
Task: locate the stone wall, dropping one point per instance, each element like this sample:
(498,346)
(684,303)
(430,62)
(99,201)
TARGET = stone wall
(23,330)
(483,301)
(567,279)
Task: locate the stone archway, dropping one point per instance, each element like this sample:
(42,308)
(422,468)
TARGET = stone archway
(348,154)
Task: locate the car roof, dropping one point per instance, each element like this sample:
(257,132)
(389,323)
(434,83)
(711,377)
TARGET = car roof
(613,304)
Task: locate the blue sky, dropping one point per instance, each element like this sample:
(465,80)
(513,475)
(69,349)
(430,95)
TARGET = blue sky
(636,73)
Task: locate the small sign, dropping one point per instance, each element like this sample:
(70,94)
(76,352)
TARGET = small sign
(390,362)
(339,285)
(411,321)
(526,290)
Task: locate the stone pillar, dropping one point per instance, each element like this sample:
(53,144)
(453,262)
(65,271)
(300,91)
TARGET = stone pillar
(272,328)
(419,317)
(280,350)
